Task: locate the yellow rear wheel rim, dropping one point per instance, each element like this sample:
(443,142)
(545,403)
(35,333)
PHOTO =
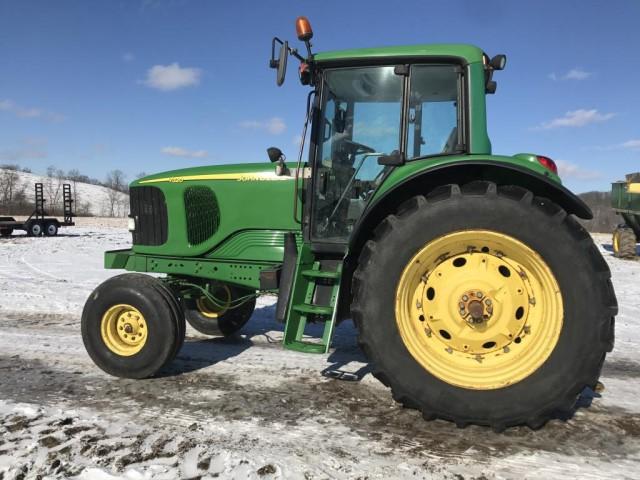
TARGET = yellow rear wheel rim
(210,310)
(479,309)
(616,241)
(124,330)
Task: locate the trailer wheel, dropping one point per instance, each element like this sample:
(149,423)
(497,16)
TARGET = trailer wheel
(34,229)
(484,305)
(6,232)
(51,229)
(131,327)
(624,242)
(221,319)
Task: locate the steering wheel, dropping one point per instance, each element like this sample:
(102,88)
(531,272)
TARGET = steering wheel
(356,147)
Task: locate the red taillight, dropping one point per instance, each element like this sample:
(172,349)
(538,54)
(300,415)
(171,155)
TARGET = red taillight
(547,163)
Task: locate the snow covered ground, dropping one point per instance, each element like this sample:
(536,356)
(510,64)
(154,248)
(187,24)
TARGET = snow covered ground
(245,408)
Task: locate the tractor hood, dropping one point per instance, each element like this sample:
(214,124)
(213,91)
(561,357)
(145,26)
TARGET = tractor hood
(238,172)
(214,211)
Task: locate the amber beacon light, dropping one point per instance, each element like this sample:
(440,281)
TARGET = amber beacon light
(303,29)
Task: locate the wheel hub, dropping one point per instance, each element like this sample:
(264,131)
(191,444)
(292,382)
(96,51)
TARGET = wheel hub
(475,307)
(124,330)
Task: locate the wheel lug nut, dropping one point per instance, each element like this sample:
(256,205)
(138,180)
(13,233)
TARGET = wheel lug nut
(461,306)
(488,301)
(465,298)
(479,295)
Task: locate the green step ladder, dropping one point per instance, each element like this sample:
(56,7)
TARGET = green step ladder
(314,299)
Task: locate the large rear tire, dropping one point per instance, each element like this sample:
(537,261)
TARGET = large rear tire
(484,305)
(222,319)
(624,242)
(132,326)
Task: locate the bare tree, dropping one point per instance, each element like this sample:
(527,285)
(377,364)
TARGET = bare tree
(53,184)
(116,184)
(8,183)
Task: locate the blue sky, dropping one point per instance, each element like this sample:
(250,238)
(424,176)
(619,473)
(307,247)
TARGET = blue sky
(156,85)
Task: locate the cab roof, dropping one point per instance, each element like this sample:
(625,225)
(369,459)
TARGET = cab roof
(470,53)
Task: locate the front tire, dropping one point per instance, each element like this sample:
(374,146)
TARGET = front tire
(483,305)
(131,326)
(34,229)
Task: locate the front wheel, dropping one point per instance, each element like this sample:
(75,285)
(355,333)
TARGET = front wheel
(34,229)
(132,326)
(484,305)
(226,315)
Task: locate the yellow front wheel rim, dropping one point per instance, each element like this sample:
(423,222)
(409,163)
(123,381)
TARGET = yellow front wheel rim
(124,330)
(210,310)
(479,309)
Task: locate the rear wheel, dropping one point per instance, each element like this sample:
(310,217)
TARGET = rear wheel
(624,242)
(51,229)
(224,316)
(131,326)
(484,306)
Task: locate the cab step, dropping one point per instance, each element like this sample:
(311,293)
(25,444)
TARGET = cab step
(314,299)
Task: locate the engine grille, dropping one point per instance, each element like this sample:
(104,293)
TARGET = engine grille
(203,213)
(149,209)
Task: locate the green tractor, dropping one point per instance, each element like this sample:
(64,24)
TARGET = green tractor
(625,200)
(477,296)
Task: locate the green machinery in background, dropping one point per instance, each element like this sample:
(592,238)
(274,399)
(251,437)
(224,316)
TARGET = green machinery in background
(477,296)
(625,200)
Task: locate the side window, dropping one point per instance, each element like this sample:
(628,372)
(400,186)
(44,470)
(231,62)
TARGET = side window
(361,115)
(433,110)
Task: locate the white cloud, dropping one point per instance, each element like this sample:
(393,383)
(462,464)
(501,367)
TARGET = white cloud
(571,170)
(573,74)
(183,152)
(631,144)
(172,77)
(30,112)
(577,118)
(273,125)
(128,57)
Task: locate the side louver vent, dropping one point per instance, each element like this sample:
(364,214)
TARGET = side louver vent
(203,214)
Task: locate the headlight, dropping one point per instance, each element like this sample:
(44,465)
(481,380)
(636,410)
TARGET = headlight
(131,224)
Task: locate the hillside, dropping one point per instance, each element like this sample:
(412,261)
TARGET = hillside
(604,219)
(17,196)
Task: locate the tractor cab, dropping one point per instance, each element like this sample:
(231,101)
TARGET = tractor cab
(376,109)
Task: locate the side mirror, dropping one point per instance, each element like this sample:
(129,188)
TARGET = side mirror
(282,63)
(275,154)
(498,62)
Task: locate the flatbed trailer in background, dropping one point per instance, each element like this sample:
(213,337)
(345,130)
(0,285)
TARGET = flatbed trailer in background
(38,223)
(625,200)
